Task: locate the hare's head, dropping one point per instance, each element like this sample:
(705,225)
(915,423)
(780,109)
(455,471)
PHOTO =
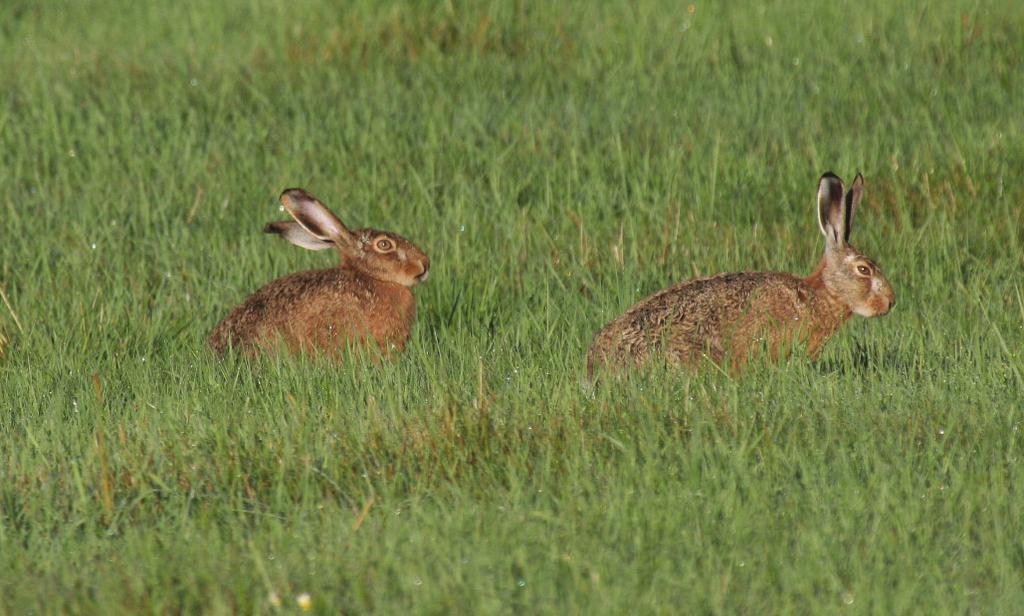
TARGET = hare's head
(379,254)
(847,273)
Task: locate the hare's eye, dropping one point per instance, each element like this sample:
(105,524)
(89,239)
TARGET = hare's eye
(864,270)
(385,245)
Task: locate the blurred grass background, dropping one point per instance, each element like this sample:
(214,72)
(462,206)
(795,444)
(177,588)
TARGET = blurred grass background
(558,162)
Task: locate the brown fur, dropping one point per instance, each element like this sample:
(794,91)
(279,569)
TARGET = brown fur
(366,298)
(736,316)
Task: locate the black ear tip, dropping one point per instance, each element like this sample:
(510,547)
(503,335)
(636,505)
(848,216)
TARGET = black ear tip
(296,193)
(273,227)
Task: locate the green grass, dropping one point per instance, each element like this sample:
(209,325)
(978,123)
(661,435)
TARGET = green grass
(558,163)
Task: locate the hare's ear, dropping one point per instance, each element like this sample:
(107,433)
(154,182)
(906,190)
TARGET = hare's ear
(297,234)
(831,211)
(852,201)
(315,218)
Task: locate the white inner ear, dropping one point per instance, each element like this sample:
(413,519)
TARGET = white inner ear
(313,216)
(827,187)
(317,224)
(298,235)
(835,234)
(828,224)
(821,224)
(828,228)
(822,207)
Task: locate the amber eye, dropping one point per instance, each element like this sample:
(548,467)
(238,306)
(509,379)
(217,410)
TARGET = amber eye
(864,270)
(385,245)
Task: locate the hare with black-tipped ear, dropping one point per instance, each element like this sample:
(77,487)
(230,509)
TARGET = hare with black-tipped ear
(735,316)
(367,297)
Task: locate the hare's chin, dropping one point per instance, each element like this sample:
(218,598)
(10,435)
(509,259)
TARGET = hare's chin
(410,281)
(868,310)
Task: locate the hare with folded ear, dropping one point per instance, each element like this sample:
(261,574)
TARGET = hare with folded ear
(734,316)
(367,297)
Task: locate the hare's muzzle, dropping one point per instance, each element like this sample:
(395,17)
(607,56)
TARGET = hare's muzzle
(886,299)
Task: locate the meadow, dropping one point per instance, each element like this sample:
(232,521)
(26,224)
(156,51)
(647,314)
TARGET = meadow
(558,162)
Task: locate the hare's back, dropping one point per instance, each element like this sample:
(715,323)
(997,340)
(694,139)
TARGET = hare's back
(710,299)
(319,308)
(303,293)
(695,316)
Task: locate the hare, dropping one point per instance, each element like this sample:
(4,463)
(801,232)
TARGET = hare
(735,316)
(366,297)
